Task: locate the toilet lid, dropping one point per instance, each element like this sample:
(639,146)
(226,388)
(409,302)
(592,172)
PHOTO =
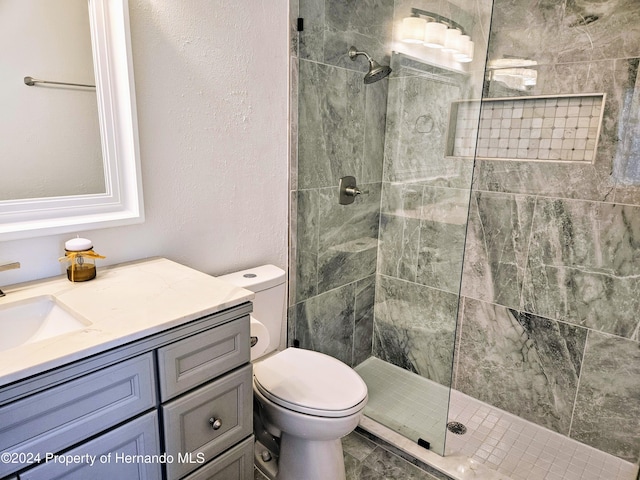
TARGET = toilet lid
(310,382)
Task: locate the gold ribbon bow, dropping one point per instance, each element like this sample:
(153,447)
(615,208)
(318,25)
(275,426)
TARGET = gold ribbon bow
(73,257)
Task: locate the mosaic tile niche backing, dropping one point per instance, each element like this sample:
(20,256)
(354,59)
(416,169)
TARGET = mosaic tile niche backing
(547,128)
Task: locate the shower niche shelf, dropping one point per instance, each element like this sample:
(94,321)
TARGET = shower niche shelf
(550,128)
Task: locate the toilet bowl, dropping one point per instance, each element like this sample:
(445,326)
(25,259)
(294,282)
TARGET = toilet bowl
(309,401)
(305,401)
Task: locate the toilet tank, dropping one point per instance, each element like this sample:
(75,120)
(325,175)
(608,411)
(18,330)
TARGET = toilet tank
(268,283)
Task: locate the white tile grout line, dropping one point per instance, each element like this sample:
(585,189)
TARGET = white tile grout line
(498,444)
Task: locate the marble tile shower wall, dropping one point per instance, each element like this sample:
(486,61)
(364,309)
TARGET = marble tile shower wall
(340,128)
(425,199)
(423,220)
(551,284)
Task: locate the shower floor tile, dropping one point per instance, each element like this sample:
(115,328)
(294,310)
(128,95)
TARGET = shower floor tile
(499,441)
(525,451)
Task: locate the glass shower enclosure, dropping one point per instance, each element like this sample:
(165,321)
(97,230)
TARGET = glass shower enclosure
(494,248)
(376,283)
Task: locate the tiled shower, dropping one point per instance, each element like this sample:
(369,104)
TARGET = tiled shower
(512,274)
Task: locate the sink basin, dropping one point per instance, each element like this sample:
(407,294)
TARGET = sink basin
(35,319)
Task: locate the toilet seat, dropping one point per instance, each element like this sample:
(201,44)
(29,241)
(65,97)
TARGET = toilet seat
(310,382)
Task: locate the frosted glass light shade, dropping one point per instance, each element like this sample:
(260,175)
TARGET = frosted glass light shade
(413,29)
(465,54)
(434,33)
(452,40)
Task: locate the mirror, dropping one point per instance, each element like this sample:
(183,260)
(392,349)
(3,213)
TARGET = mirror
(112,192)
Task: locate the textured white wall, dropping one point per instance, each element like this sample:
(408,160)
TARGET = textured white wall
(211,85)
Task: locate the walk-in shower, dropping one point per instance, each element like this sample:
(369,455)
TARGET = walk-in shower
(490,276)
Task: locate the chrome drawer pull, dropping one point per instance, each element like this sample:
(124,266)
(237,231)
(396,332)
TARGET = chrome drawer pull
(216,423)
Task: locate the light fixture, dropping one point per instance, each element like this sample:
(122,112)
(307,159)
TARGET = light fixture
(434,34)
(438,32)
(452,40)
(515,73)
(413,29)
(465,52)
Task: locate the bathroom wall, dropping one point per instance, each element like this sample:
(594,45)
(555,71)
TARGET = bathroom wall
(212,91)
(340,131)
(551,289)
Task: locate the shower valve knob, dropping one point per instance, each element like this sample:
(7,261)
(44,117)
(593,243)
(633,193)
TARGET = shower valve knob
(215,423)
(349,190)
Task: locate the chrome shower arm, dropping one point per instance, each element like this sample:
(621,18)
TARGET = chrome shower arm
(353,53)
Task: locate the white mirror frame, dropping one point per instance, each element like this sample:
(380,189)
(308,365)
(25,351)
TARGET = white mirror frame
(122,203)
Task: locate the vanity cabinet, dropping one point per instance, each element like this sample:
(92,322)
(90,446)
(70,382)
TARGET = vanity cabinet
(176,404)
(210,417)
(109,456)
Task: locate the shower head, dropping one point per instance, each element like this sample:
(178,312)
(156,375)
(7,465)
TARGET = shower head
(376,71)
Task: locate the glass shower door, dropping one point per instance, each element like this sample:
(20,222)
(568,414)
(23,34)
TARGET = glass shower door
(376,283)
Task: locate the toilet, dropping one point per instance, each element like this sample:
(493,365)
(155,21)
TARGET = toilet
(304,401)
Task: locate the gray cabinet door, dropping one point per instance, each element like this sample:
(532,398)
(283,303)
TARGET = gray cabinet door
(234,464)
(129,452)
(209,420)
(62,416)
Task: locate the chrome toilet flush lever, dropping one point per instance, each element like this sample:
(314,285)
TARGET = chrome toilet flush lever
(349,190)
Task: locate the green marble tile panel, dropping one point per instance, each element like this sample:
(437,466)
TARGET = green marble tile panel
(402,199)
(375,123)
(415,327)
(357,446)
(496,247)
(384,465)
(311,40)
(348,237)
(325,323)
(584,265)
(607,413)
(626,165)
(366,24)
(398,248)
(521,363)
(293,123)
(364,315)
(331,107)
(417,123)
(306,243)
(294,13)
(443,220)
(553,32)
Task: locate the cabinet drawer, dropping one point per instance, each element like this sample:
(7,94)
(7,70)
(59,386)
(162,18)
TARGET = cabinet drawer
(190,421)
(235,464)
(64,415)
(127,452)
(188,363)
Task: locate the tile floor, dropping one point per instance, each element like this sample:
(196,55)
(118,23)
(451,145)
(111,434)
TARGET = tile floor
(366,460)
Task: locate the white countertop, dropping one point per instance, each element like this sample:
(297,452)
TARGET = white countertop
(123,303)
